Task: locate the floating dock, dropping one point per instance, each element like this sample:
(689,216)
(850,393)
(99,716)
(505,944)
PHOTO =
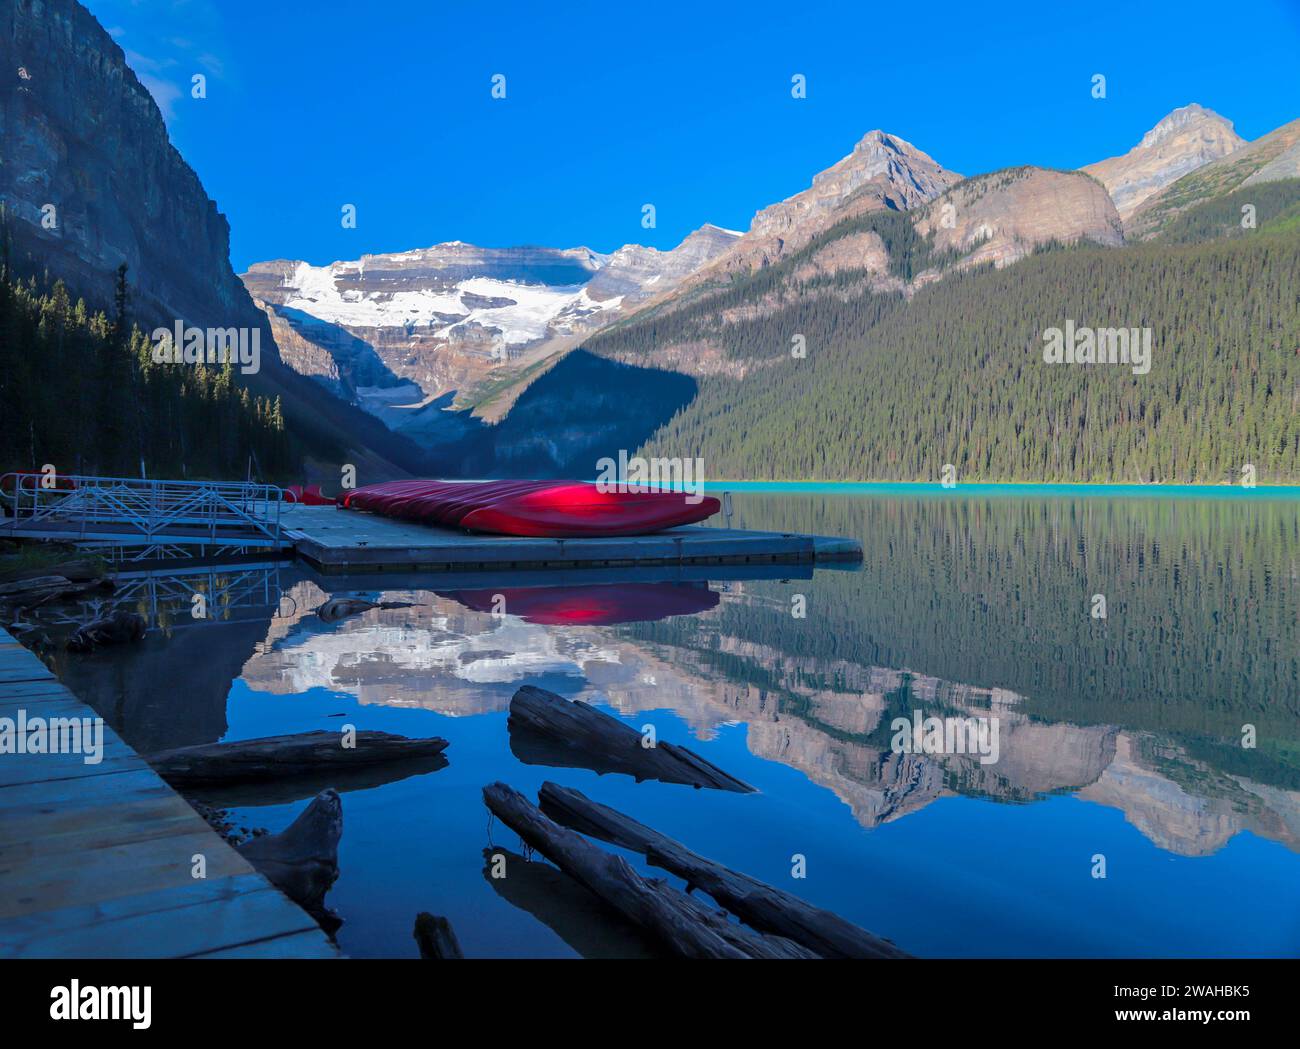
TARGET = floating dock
(335,540)
(96,860)
(153,518)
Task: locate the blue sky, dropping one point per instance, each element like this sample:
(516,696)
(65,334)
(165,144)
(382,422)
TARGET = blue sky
(313,104)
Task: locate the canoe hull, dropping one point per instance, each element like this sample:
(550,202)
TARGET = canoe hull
(543,509)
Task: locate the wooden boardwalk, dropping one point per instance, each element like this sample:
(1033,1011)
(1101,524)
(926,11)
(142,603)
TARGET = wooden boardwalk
(96,860)
(335,540)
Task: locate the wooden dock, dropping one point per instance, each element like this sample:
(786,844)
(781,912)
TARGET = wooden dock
(96,860)
(335,540)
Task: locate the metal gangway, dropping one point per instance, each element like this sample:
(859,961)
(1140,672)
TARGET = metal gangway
(162,517)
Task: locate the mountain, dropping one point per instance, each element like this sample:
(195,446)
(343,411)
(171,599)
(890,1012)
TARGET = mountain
(883,172)
(1188,138)
(410,335)
(893,388)
(438,342)
(634,273)
(406,335)
(889,218)
(995,219)
(1273,157)
(404,328)
(89,181)
(83,136)
(893,341)
(1006,215)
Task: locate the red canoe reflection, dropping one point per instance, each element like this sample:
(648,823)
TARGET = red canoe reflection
(598,605)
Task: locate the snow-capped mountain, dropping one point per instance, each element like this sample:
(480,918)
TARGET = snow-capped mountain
(408,333)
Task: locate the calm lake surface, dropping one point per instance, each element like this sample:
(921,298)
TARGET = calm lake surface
(1119,737)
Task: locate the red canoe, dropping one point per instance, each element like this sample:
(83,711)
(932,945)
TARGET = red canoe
(308,495)
(555,509)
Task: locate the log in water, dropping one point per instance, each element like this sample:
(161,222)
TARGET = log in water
(551,730)
(681,924)
(435,937)
(273,757)
(763,906)
(302,861)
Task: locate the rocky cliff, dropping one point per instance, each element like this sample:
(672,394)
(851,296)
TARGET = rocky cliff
(1270,158)
(1188,138)
(90,179)
(883,171)
(1003,216)
(634,273)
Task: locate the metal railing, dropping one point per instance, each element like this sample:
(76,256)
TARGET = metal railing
(131,511)
(231,594)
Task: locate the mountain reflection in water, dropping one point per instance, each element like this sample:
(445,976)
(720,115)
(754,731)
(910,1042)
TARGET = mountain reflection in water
(965,607)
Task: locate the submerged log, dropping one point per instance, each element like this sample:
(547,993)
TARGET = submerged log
(274,757)
(575,914)
(40,590)
(680,923)
(435,937)
(38,584)
(547,729)
(78,571)
(302,861)
(763,906)
(261,792)
(115,629)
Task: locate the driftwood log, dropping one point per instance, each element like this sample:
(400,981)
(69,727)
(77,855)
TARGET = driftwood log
(435,937)
(36,584)
(81,571)
(754,902)
(337,608)
(115,629)
(302,861)
(546,729)
(35,591)
(274,757)
(680,923)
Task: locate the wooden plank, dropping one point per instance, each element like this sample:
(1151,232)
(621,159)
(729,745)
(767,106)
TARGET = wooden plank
(223,915)
(45,883)
(35,768)
(47,705)
(33,689)
(97,860)
(15,671)
(43,796)
(115,756)
(71,829)
(295,945)
(18,932)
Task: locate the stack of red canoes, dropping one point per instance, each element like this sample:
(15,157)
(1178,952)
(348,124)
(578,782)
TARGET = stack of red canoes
(555,509)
